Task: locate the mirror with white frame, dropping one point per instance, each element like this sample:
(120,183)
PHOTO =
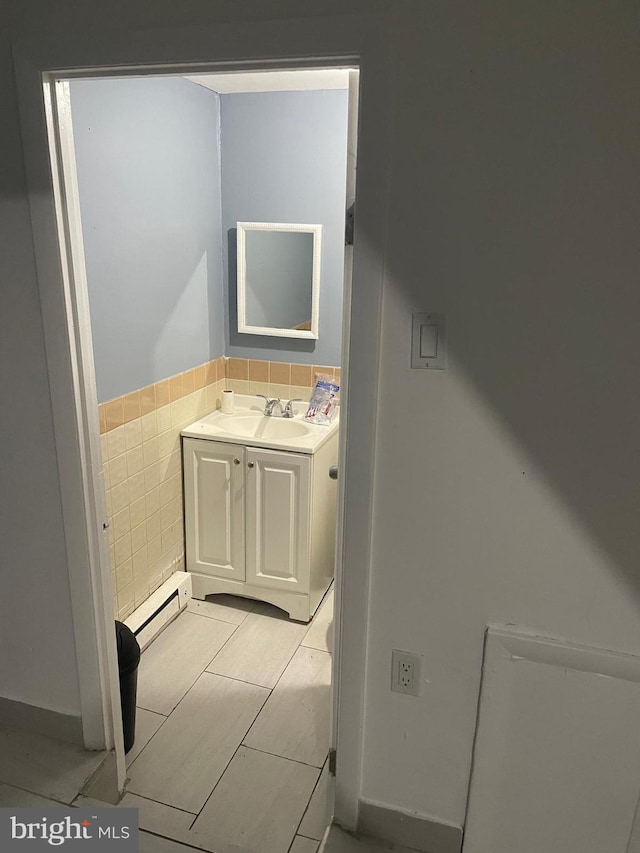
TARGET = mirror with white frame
(279,279)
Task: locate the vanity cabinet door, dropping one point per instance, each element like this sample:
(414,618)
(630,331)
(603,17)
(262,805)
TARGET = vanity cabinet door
(278,504)
(214,507)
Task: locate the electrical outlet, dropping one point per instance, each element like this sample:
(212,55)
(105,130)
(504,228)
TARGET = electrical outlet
(405,672)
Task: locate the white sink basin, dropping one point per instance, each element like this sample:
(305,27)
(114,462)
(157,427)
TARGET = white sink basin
(256,425)
(250,427)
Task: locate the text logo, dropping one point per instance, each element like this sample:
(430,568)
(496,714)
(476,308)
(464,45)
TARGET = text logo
(106,829)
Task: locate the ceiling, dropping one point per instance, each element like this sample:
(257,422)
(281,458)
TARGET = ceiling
(274,81)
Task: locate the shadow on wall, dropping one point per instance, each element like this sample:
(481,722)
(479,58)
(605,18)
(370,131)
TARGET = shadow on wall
(516,213)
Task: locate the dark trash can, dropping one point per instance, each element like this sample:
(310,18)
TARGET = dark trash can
(128,660)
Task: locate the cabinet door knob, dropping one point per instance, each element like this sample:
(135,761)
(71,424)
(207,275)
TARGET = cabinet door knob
(236,461)
(251,464)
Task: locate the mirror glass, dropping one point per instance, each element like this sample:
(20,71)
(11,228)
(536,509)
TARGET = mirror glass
(278,279)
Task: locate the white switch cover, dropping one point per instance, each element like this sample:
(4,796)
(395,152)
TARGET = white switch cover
(429,341)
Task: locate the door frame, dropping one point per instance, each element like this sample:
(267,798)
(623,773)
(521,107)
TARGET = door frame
(324,41)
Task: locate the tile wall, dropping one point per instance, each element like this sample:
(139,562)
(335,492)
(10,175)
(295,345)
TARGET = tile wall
(273,378)
(140,442)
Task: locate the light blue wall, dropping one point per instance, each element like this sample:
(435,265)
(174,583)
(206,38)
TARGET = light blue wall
(149,181)
(284,160)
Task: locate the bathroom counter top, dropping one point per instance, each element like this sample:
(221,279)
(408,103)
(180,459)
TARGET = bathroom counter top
(248,425)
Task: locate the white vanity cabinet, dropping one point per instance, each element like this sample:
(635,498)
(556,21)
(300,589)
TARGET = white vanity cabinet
(214,507)
(260,522)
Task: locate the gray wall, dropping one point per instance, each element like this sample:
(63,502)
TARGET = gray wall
(148,174)
(284,160)
(37,652)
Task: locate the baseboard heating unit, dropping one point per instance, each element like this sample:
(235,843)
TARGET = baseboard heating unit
(160,608)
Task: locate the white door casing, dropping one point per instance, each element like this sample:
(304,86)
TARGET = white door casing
(325,41)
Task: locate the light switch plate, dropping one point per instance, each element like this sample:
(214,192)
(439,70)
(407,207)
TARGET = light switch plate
(429,341)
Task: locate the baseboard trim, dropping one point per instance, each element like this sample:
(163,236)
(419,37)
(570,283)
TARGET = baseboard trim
(42,721)
(408,829)
(162,606)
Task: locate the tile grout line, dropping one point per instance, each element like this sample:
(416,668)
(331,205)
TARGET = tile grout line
(242,741)
(202,671)
(42,796)
(234,753)
(299,835)
(160,803)
(277,682)
(191,686)
(270,689)
(127,768)
(218,618)
(169,838)
(225,642)
(151,711)
(239,680)
(266,700)
(315,787)
(285,758)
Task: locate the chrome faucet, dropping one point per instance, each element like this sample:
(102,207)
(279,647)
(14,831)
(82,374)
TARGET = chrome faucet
(288,408)
(270,404)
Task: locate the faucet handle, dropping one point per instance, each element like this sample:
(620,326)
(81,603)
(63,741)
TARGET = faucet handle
(288,407)
(269,403)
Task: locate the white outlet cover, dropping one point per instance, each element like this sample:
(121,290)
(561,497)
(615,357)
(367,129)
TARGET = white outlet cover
(405,663)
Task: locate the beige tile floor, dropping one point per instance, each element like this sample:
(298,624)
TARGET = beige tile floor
(339,841)
(232,731)
(221,762)
(33,767)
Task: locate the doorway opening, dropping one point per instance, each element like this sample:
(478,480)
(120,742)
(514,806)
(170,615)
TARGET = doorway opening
(140,463)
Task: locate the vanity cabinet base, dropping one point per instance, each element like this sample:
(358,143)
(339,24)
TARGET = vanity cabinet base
(299,606)
(260,523)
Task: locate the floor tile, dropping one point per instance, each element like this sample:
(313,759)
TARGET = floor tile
(158,818)
(226,608)
(295,721)
(320,633)
(82,802)
(259,650)
(176,658)
(340,841)
(154,817)
(319,811)
(46,767)
(257,804)
(147,724)
(303,845)
(155,844)
(11,797)
(189,753)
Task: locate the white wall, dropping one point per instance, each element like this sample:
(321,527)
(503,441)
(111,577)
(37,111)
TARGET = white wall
(37,657)
(506,487)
